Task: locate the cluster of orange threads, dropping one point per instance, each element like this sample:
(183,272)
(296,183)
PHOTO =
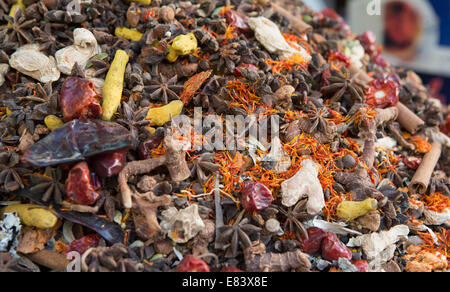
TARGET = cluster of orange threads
(437,202)
(422,145)
(442,245)
(242,93)
(295,62)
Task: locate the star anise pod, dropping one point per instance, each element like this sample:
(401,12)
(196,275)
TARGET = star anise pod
(204,166)
(17,28)
(227,58)
(6,139)
(48,184)
(293,223)
(132,118)
(341,84)
(46,38)
(317,117)
(164,88)
(10,173)
(19,114)
(37,93)
(238,234)
(109,259)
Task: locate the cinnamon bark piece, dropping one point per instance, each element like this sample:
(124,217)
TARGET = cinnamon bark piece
(421,178)
(49,259)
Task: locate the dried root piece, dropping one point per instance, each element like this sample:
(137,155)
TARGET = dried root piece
(361,186)
(257,260)
(174,160)
(145,209)
(394,128)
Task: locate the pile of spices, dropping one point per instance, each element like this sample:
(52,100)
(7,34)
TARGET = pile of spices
(111,121)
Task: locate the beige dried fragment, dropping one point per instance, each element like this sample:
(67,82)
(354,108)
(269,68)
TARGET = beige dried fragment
(269,35)
(29,60)
(370,221)
(3,70)
(304,182)
(280,159)
(379,247)
(181,225)
(84,47)
(257,260)
(436,218)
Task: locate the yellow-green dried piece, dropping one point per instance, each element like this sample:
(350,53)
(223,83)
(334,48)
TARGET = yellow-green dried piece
(145,2)
(53,122)
(113,87)
(173,55)
(350,210)
(161,115)
(16,6)
(129,34)
(33,215)
(185,44)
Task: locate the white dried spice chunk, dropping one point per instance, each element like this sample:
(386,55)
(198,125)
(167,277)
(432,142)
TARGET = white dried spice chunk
(84,47)
(3,70)
(269,35)
(181,225)
(29,60)
(304,183)
(9,230)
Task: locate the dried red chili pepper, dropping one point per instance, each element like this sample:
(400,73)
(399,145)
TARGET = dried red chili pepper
(109,164)
(314,241)
(333,248)
(382,93)
(445,128)
(412,162)
(255,196)
(230,270)
(361,265)
(191,263)
(146,147)
(339,56)
(79,187)
(238,20)
(79,99)
(80,245)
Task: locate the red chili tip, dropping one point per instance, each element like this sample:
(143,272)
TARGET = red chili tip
(192,263)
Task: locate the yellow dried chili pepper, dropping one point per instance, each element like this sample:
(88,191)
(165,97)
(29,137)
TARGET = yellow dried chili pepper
(161,115)
(33,215)
(129,34)
(145,2)
(53,122)
(112,90)
(350,210)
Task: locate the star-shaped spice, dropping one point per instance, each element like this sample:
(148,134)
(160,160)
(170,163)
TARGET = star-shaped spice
(341,84)
(238,234)
(132,118)
(10,173)
(317,117)
(48,184)
(17,28)
(293,222)
(226,58)
(163,89)
(203,166)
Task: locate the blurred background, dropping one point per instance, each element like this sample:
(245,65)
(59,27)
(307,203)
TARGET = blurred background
(415,34)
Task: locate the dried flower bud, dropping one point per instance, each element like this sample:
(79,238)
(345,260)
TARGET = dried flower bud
(79,187)
(79,99)
(255,196)
(109,164)
(80,245)
(192,263)
(333,248)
